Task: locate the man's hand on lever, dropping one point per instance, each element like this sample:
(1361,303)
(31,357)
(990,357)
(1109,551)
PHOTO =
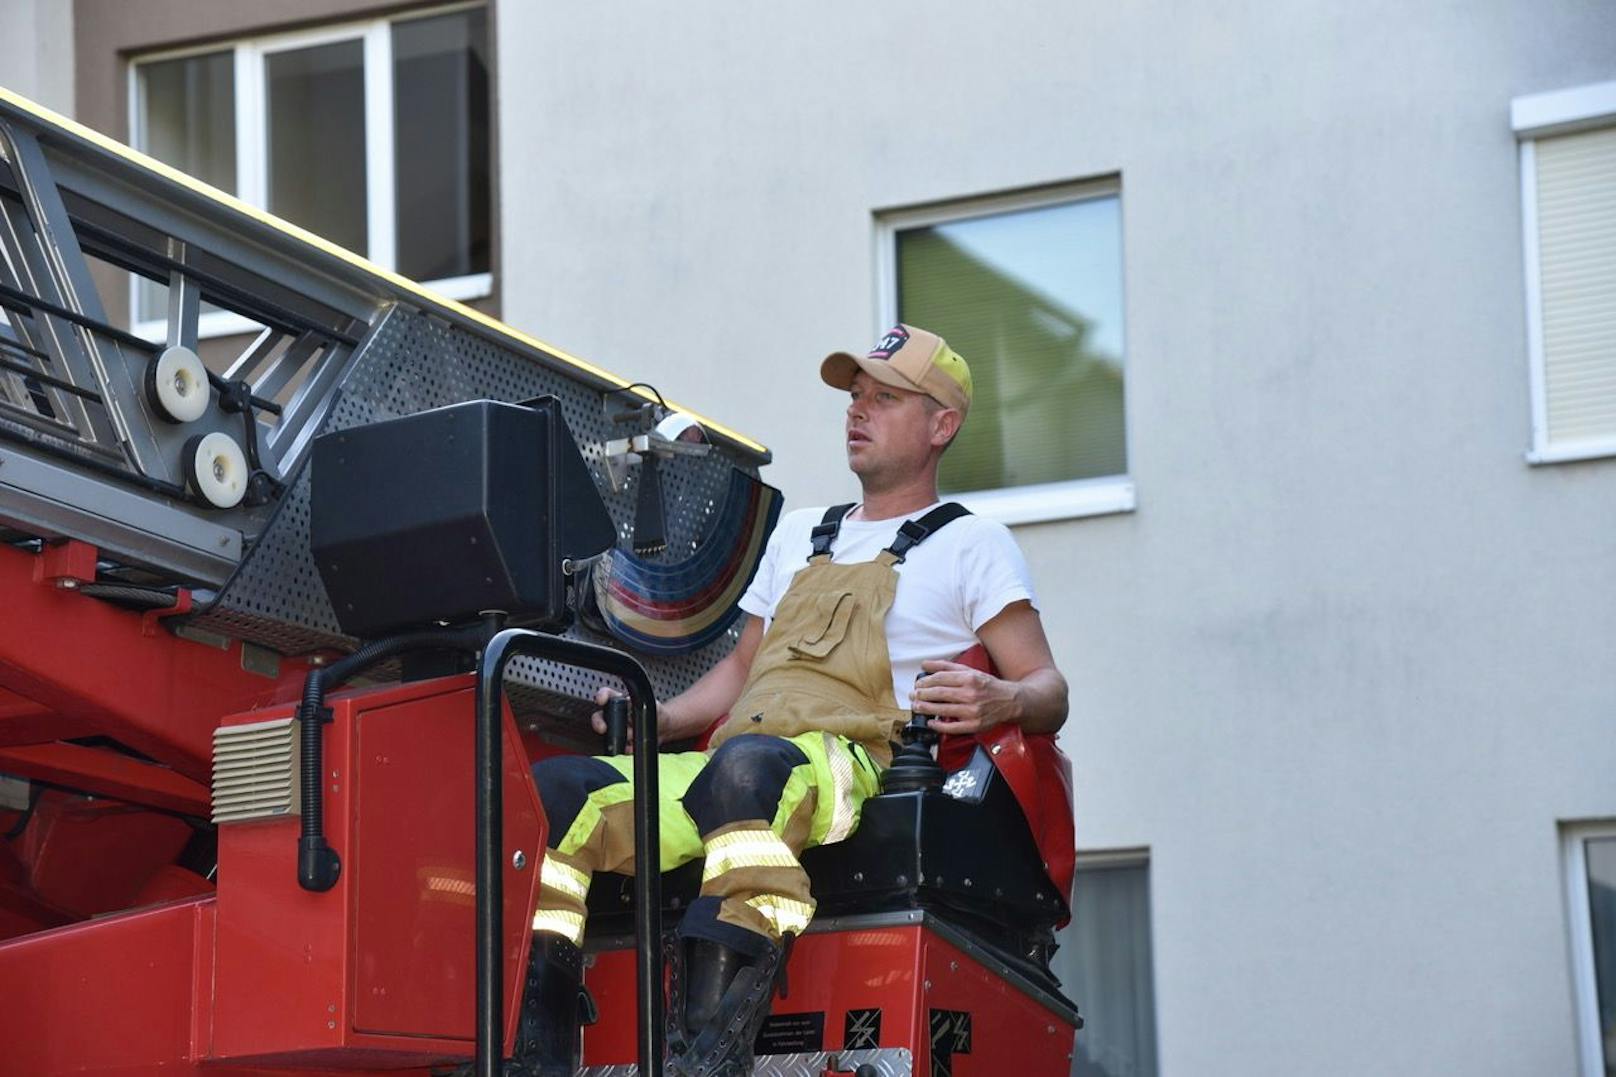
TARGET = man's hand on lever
(961,699)
(1030,691)
(604,695)
(689,713)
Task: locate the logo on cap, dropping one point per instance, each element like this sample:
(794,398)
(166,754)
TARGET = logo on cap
(896,338)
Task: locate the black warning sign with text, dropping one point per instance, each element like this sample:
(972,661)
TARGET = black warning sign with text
(791,1033)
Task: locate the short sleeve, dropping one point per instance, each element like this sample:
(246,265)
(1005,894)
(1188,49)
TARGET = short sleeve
(993,574)
(764,591)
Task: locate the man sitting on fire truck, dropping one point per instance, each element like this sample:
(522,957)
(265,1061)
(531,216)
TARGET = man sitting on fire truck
(854,612)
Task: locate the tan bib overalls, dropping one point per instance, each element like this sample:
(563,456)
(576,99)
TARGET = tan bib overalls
(802,748)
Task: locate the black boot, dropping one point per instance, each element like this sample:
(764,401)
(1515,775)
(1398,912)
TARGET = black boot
(725,999)
(554,1003)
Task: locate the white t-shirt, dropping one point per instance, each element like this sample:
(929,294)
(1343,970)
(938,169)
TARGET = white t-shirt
(949,586)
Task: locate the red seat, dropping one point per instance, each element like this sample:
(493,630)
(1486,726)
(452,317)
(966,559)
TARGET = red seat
(1039,774)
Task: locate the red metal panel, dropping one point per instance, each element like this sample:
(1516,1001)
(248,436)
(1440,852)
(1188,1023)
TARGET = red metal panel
(1010,1032)
(108,774)
(89,857)
(378,970)
(125,996)
(158,694)
(111,996)
(418,896)
(830,972)
(905,972)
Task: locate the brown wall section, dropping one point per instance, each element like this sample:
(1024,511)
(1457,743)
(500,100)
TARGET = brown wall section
(107,34)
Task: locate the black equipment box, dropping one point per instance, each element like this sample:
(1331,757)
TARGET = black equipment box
(442,515)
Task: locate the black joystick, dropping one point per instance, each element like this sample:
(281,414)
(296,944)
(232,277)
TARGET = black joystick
(913,770)
(616,725)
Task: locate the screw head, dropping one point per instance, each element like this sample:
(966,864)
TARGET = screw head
(519,860)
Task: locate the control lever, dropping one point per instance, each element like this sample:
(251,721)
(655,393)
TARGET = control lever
(616,725)
(913,769)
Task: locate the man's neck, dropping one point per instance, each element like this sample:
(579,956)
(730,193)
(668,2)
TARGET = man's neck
(888,504)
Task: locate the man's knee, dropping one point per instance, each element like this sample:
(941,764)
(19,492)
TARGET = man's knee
(743,780)
(565,783)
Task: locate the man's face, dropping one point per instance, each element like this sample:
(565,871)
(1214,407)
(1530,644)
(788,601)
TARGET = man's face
(890,431)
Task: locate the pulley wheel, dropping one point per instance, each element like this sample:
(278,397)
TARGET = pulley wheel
(177,385)
(216,469)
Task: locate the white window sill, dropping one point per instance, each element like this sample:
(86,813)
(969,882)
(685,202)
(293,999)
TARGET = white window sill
(1592,449)
(1051,500)
(225,323)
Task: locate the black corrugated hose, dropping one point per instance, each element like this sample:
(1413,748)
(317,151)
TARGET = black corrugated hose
(318,865)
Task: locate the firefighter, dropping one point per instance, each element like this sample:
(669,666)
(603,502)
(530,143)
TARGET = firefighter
(854,611)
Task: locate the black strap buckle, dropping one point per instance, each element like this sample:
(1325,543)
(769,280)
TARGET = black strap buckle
(913,532)
(826,530)
(910,535)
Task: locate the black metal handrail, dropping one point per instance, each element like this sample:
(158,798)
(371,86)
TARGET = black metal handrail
(517,642)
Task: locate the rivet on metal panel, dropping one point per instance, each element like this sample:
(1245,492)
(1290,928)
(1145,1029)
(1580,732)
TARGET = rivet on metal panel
(519,860)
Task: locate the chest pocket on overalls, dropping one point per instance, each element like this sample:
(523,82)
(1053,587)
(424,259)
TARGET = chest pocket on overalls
(825,626)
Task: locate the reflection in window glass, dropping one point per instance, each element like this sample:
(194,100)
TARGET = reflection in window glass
(440,125)
(316,104)
(1033,300)
(187,118)
(1104,966)
(1601,856)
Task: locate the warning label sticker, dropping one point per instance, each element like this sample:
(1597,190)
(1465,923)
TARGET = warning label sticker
(791,1033)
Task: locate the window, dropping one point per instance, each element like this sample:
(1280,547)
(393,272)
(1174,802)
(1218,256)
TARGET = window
(374,135)
(1590,873)
(1568,210)
(1104,965)
(1029,289)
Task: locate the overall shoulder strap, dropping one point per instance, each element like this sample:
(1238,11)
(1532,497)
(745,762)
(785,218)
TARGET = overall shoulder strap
(914,532)
(825,531)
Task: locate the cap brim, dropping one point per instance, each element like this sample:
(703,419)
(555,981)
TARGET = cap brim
(838,369)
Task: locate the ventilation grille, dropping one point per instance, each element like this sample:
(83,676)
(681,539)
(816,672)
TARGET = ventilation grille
(255,771)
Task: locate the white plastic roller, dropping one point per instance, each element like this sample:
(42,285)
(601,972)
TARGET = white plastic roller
(177,385)
(216,468)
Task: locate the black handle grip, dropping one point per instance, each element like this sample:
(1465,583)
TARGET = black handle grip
(616,725)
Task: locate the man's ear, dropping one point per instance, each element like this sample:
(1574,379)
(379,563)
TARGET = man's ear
(945,423)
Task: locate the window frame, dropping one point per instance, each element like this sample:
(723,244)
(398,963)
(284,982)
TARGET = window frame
(1036,503)
(1532,117)
(252,157)
(1579,921)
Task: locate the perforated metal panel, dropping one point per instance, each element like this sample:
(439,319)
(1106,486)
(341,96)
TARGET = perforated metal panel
(413,362)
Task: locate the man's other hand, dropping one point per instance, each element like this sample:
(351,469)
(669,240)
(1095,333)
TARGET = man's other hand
(961,699)
(598,719)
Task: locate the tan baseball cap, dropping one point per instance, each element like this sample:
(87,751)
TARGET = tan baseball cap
(907,358)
